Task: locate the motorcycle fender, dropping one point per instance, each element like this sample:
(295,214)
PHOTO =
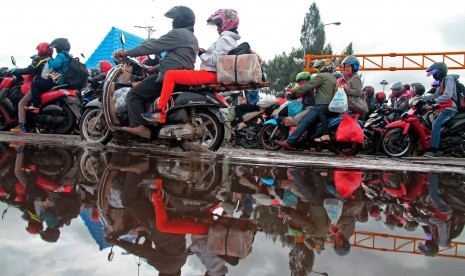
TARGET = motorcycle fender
(460,125)
(71,103)
(400,124)
(94,103)
(51,107)
(215,110)
(271,122)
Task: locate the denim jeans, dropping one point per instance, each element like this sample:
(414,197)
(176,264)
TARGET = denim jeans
(442,118)
(310,120)
(434,194)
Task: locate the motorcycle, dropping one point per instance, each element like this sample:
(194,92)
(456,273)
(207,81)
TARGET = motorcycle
(279,128)
(248,136)
(192,116)
(373,129)
(12,89)
(413,132)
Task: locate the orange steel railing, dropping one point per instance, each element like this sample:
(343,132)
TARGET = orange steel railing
(397,61)
(400,244)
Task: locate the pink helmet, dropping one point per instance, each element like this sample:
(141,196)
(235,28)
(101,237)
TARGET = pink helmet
(226,19)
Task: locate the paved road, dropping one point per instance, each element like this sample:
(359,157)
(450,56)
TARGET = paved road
(281,158)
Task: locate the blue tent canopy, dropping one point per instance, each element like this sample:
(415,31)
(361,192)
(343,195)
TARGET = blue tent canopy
(110,43)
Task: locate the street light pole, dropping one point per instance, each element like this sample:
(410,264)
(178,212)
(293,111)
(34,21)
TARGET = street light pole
(383,83)
(319,27)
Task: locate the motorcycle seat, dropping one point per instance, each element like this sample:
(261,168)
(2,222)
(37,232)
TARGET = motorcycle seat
(59,86)
(219,87)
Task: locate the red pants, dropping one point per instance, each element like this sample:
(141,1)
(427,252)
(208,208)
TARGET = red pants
(183,77)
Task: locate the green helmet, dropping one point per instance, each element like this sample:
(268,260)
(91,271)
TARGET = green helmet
(303,76)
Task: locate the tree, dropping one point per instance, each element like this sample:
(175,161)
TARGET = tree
(313,35)
(283,68)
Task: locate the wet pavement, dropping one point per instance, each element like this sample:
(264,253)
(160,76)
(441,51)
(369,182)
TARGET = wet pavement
(70,208)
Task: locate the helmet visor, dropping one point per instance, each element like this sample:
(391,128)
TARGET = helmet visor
(431,73)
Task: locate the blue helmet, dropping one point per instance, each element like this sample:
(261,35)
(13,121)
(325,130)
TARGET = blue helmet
(352,60)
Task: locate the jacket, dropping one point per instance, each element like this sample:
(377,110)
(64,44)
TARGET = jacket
(35,68)
(180,46)
(325,85)
(252,96)
(225,43)
(60,65)
(354,86)
(445,94)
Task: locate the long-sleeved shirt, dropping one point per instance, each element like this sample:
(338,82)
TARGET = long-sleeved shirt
(180,46)
(225,43)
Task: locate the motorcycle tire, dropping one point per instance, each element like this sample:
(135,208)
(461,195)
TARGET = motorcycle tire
(370,144)
(3,124)
(93,131)
(68,126)
(215,130)
(396,144)
(269,143)
(345,148)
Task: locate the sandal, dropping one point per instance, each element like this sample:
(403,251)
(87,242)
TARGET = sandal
(323,139)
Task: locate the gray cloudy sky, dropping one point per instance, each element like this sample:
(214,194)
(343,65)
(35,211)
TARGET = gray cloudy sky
(374,26)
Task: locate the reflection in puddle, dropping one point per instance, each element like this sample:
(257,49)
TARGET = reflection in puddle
(216,217)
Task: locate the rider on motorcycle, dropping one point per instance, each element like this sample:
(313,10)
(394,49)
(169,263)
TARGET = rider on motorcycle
(226,22)
(444,96)
(53,71)
(44,52)
(418,90)
(369,95)
(181,47)
(399,101)
(325,84)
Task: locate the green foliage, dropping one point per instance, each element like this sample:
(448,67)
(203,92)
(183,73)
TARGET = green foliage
(282,69)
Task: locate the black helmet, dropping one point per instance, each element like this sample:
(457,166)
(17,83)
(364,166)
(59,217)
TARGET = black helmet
(182,16)
(418,88)
(438,70)
(61,44)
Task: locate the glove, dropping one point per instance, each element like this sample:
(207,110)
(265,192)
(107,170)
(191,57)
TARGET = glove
(201,51)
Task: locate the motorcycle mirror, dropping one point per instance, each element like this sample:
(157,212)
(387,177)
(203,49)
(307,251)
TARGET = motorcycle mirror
(82,55)
(123,39)
(13,60)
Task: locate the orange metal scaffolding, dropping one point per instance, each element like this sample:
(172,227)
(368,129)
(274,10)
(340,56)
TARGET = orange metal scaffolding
(399,244)
(397,61)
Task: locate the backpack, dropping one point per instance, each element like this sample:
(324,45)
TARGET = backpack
(460,101)
(76,76)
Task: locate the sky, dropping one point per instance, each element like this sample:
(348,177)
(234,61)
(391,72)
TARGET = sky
(270,27)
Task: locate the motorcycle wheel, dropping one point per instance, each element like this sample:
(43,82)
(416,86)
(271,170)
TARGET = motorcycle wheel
(267,141)
(93,129)
(3,125)
(89,167)
(396,144)
(345,148)
(213,128)
(370,144)
(69,122)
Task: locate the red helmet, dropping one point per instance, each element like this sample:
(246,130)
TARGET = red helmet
(105,66)
(380,96)
(43,49)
